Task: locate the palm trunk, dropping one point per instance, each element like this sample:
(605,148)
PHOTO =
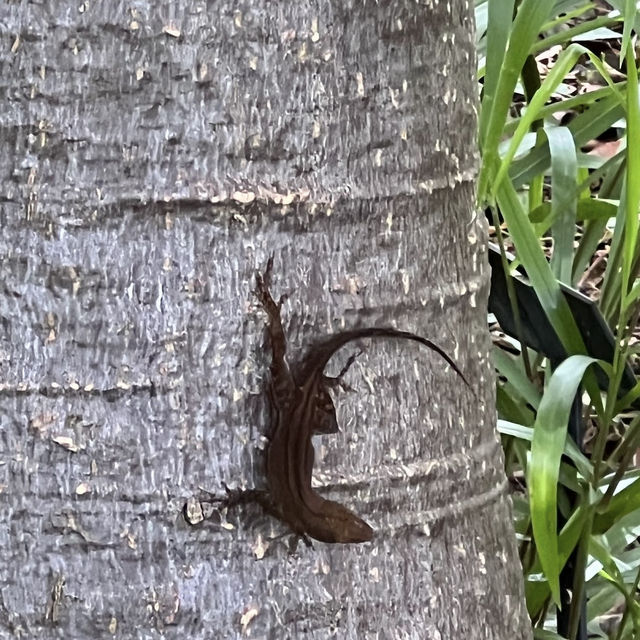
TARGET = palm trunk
(155,154)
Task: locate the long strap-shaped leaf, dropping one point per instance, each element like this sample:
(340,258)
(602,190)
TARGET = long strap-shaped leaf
(531,16)
(549,436)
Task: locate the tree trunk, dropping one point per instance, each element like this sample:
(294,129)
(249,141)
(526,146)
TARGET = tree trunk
(155,154)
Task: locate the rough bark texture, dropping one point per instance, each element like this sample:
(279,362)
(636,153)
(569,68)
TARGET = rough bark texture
(154,154)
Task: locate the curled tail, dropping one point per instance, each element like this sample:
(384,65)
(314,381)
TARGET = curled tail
(320,353)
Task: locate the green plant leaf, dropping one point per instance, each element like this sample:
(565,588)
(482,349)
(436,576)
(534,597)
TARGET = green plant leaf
(610,571)
(511,369)
(564,197)
(530,254)
(581,31)
(550,434)
(633,170)
(498,28)
(565,62)
(511,409)
(586,126)
(629,18)
(624,502)
(526,26)
(537,591)
(571,450)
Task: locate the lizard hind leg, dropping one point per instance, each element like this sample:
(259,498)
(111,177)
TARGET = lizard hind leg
(325,420)
(337,381)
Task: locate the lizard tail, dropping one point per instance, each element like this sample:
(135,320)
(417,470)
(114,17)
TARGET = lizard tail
(320,353)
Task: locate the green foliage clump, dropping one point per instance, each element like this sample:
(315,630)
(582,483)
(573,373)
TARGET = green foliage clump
(543,189)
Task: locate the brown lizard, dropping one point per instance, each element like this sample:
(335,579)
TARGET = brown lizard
(300,407)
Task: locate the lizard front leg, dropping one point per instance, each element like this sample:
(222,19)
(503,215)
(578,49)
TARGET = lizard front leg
(282,384)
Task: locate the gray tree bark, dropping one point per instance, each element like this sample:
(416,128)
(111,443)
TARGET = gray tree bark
(154,155)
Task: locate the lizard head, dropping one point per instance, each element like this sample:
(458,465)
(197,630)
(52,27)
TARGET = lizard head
(341,525)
